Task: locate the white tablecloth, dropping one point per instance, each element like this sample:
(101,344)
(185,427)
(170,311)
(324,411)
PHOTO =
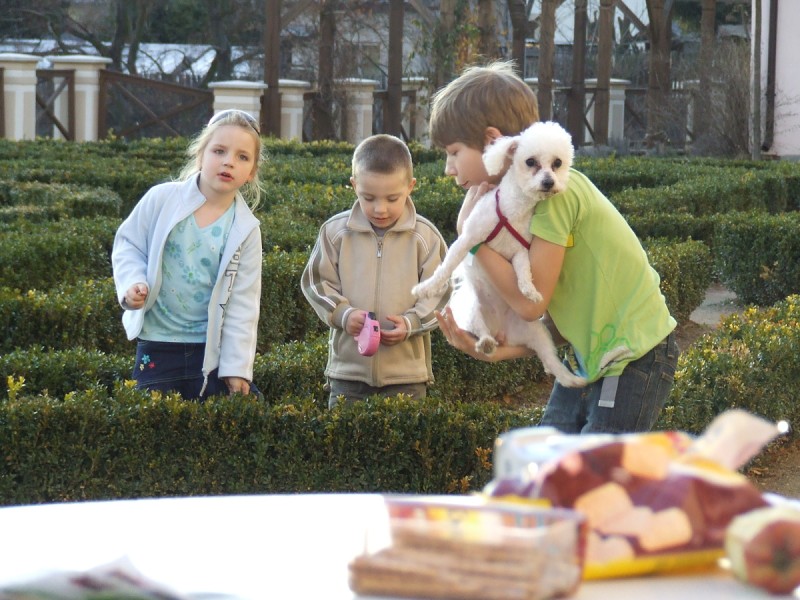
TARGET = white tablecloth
(251,547)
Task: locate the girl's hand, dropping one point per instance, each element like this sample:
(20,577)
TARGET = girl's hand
(390,337)
(136,296)
(237,384)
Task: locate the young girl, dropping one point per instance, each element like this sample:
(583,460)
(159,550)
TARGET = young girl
(187,267)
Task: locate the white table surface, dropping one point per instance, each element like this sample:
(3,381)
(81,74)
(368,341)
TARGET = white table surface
(251,547)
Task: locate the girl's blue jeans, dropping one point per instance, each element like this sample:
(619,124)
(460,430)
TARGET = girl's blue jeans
(625,403)
(177,367)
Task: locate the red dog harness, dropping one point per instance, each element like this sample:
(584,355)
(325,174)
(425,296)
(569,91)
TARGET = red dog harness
(503,222)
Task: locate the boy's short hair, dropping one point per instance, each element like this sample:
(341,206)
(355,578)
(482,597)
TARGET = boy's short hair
(492,95)
(382,153)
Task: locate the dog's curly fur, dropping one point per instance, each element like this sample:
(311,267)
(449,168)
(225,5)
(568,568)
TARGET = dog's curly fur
(541,157)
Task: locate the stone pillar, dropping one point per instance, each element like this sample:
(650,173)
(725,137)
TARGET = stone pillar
(416,121)
(243,95)
(616,108)
(19,95)
(87,93)
(292,104)
(358,102)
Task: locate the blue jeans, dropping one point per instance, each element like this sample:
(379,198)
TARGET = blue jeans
(626,403)
(358,390)
(177,367)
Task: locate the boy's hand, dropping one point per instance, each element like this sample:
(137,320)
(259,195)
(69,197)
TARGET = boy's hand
(474,194)
(355,322)
(390,337)
(136,295)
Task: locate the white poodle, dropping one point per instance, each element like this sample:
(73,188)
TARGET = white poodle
(541,157)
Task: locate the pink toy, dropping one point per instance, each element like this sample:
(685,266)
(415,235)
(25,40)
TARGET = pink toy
(370,337)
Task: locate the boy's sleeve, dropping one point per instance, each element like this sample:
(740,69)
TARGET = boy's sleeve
(421,316)
(321,284)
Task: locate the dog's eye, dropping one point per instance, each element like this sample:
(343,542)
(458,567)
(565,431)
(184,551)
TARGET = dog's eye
(557,163)
(532,162)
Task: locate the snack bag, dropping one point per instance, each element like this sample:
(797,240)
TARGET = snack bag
(653,501)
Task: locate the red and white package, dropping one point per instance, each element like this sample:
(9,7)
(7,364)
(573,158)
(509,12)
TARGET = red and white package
(653,501)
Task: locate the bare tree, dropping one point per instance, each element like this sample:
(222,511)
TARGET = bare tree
(658,83)
(547,32)
(521,30)
(707,35)
(487,26)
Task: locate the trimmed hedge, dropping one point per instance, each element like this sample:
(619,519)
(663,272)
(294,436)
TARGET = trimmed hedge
(757,255)
(71,429)
(91,445)
(750,361)
(685,269)
(53,201)
(56,253)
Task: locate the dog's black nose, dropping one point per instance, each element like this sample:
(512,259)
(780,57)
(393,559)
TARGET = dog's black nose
(547,184)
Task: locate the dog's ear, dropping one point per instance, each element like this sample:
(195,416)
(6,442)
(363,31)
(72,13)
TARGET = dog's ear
(496,154)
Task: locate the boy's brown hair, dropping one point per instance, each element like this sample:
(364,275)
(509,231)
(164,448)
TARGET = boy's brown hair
(492,95)
(382,153)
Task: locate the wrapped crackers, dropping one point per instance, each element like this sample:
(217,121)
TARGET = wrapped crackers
(653,501)
(473,548)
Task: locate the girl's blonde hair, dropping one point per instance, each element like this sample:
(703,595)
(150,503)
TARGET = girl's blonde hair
(250,191)
(492,95)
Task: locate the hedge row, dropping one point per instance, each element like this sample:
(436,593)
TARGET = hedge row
(107,440)
(35,201)
(750,361)
(93,445)
(85,313)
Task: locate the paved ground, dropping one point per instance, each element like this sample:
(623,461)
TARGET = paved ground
(719,302)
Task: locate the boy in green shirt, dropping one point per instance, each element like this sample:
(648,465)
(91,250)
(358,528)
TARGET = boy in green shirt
(599,290)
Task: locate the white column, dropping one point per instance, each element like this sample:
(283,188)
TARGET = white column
(292,104)
(19,95)
(422,110)
(242,95)
(358,101)
(87,91)
(616,108)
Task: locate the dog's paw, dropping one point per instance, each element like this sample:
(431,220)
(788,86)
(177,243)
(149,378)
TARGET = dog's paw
(572,381)
(422,290)
(530,292)
(486,345)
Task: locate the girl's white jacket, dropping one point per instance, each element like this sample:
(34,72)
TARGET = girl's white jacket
(234,306)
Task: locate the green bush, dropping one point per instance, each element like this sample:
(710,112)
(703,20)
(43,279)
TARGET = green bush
(686,271)
(50,201)
(59,372)
(43,255)
(91,445)
(750,361)
(81,315)
(756,255)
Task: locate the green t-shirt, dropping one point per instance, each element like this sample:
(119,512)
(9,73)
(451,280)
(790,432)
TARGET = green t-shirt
(607,302)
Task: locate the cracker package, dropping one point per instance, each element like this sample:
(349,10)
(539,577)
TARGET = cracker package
(653,502)
(471,548)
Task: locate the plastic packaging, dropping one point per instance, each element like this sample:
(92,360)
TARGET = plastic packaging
(468,547)
(654,502)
